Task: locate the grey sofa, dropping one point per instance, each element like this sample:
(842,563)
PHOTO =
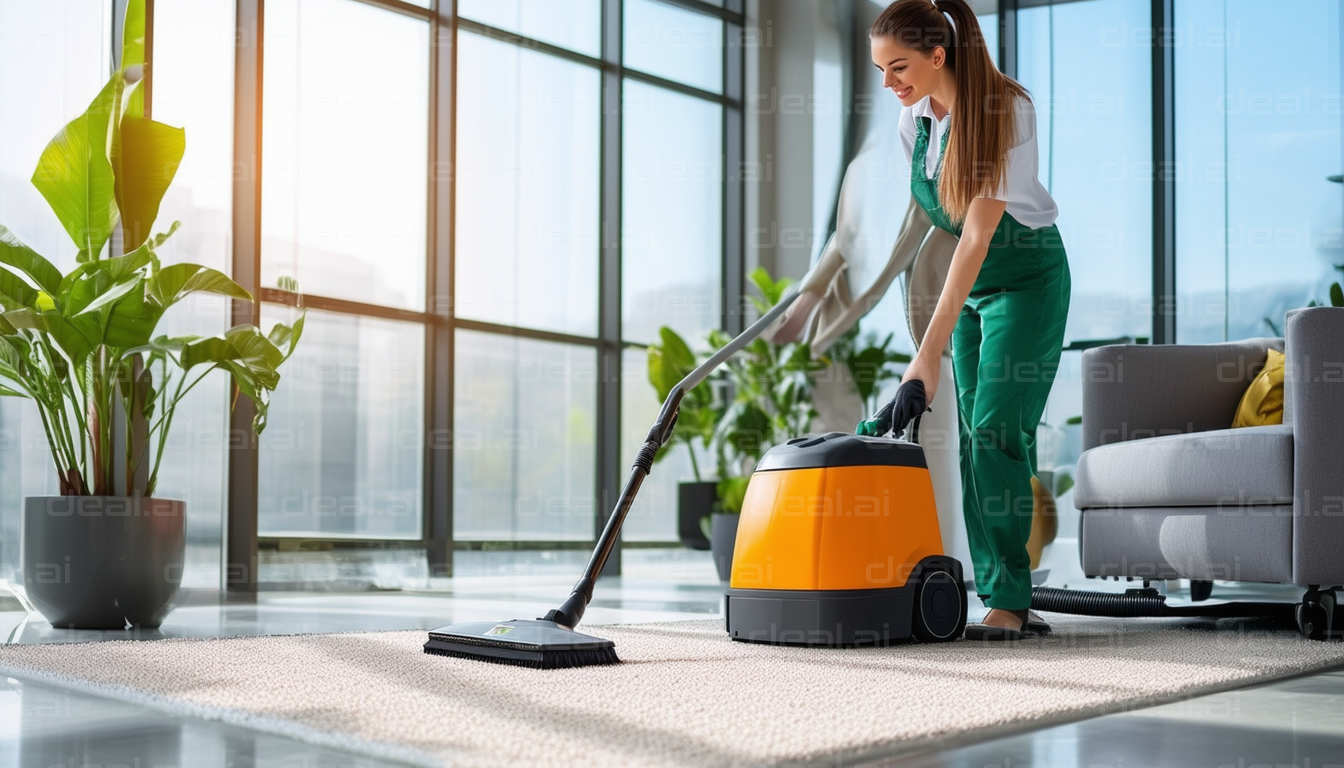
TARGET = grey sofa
(1167,489)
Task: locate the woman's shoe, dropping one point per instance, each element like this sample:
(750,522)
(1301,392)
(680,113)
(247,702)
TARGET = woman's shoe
(993,633)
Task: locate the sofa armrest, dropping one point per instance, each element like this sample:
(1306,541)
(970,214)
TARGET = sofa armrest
(1132,391)
(1314,380)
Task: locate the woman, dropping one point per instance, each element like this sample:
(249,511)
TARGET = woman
(1006,296)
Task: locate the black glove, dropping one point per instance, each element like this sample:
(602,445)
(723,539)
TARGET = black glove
(908,403)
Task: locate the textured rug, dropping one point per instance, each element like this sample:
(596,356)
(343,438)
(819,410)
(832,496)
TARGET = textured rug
(685,695)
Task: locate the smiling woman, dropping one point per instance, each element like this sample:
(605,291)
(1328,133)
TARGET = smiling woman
(1006,295)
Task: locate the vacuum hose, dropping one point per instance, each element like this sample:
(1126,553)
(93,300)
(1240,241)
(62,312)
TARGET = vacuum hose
(1083,603)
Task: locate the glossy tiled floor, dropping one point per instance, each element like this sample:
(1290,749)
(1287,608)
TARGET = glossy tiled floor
(1295,722)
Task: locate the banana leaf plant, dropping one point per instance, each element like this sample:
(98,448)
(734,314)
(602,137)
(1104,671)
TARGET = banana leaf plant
(85,346)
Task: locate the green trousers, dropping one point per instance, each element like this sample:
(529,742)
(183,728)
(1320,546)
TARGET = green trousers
(1006,347)
(1005,354)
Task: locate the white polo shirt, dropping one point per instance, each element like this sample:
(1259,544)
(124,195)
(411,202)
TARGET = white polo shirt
(1028,200)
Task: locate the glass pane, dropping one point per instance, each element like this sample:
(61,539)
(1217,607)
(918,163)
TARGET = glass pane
(527,188)
(674,43)
(524,451)
(572,24)
(343,451)
(53,62)
(193,63)
(1258,220)
(344,187)
(672,213)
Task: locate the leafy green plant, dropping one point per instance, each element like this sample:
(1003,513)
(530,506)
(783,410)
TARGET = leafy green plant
(84,346)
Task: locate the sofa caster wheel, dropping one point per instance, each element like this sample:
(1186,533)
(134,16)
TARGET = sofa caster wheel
(1316,613)
(1200,590)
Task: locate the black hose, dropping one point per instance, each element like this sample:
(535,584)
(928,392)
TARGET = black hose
(1083,603)
(1137,603)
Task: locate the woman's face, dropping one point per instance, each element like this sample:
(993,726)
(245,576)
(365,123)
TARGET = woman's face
(909,74)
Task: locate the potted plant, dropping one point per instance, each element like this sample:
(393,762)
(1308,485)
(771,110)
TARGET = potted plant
(670,361)
(83,347)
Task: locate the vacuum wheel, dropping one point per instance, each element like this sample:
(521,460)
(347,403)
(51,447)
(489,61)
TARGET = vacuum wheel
(940,607)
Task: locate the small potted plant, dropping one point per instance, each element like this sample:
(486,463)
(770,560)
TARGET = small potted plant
(83,348)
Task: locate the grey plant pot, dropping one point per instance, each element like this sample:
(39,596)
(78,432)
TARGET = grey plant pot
(722,539)
(100,562)
(694,501)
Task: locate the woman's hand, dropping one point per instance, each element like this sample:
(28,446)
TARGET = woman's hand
(927,368)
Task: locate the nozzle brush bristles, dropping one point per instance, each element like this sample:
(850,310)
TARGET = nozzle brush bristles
(545,660)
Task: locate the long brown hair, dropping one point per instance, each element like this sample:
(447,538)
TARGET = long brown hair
(985,127)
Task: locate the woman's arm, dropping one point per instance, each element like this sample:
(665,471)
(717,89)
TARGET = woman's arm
(982,219)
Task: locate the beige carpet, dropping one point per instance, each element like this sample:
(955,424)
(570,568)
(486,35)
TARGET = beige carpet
(685,695)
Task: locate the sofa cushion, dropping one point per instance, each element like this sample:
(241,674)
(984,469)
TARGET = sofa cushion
(1251,543)
(1221,467)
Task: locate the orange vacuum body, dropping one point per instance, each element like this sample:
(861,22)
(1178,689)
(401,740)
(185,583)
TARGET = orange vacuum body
(839,544)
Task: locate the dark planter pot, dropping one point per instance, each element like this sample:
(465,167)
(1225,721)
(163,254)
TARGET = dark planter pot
(99,562)
(694,501)
(723,536)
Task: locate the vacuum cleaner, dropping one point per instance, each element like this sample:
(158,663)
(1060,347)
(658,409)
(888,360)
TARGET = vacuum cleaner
(839,543)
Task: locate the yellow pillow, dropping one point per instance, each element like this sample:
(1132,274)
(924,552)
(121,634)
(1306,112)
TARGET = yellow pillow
(1263,402)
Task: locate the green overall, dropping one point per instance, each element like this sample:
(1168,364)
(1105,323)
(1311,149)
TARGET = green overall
(1005,348)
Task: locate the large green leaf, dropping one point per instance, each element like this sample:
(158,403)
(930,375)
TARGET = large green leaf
(26,260)
(286,337)
(123,268)
(261,356)
(114,293)
(249,357)
(74,174)
(669,362)
(7,392)
(173,283)
(14,292)
(150,153)
(67,336)
(131,321)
